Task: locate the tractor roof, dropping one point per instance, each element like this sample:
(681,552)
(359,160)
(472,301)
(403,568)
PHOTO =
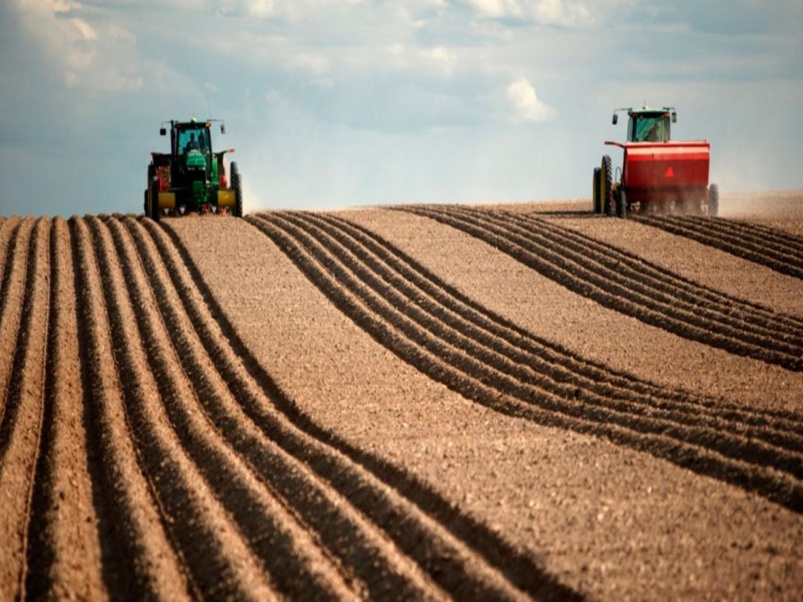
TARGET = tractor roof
(192,123)
(650,111)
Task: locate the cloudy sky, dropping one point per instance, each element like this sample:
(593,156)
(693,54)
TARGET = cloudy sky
(333,103)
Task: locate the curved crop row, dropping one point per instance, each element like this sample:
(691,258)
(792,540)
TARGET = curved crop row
(773,248)
(477,354)
(633,286)
(22,409)
(134,436)
(63,522)
(376,540)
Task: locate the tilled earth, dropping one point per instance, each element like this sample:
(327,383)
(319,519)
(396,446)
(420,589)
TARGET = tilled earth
(518,401)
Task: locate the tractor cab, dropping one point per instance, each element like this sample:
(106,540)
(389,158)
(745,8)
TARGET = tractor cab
(191,144)
(192,136)
(192,178)
(648,125)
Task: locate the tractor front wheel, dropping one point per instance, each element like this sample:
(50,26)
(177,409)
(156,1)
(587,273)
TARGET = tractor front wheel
(236,184)
(713,200)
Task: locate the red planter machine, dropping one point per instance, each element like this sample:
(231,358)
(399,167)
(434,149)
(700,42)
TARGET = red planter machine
(658,175)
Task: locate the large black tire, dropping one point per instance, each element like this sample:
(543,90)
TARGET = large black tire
(153,196)
(236,184)
(597,198)
(713,200)
(151,175)
(606,184)
(155,211)
(621,202)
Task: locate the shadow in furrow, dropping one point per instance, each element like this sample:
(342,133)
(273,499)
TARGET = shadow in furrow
(40,553)
(126,571)
(476,381)
(404,272)
(736,311)
(520,568)
(505,349)
(314,505)
(772,248)
(211,550)
(27,258)
(550,261)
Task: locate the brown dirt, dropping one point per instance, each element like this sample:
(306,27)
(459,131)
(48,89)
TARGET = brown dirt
(509,401)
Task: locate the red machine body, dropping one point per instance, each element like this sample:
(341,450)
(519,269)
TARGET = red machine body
(664,172)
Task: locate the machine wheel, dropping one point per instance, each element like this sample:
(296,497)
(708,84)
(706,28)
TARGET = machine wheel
(621,202)
(238,191)
(713,200)
(155,212)
(597,199)
(153,194)
(606,184)
(151,175)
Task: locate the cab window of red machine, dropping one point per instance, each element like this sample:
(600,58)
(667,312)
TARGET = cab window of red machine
(649,129)
(643,127)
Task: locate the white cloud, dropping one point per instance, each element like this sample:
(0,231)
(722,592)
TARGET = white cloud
(528,107)
(497,8)
(289,9)
(98,56)
(567,13)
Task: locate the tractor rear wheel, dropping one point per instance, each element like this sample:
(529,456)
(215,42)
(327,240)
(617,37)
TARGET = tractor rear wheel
(596,186)
(153,201)
(606,185)
(621,202)
(155,211)
(151,175)
(713,200)
(238,191)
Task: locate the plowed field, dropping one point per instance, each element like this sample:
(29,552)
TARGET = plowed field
(420,402)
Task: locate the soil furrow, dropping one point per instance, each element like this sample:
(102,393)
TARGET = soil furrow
(12,292)
(734,310)
(63,543)
(476,381)
(762,237)
(375,492)
(568,398)
(419,290)
(138,559)
(211,546)
(590,284)
(339,528)
(290,556)
(7,234)
(21,427)
(773,249)
(572,367)
(664,289)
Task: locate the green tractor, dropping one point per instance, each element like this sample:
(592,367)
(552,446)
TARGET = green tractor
(191,178)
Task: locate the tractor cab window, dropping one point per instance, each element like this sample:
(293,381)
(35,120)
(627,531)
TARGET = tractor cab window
(649,129)
(193,139)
